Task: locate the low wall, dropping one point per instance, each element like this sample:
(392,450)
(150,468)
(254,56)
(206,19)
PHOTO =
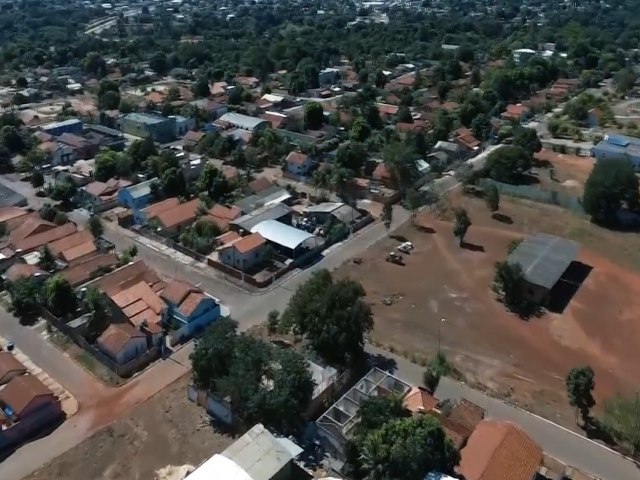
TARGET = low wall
(122,370)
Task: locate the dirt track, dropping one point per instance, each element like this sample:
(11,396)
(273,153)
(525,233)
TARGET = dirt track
(525,360)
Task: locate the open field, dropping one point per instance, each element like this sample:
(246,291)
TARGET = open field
(570,171)
(524,360)
(167,430)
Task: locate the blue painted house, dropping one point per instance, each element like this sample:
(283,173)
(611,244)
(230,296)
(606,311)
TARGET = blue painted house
(189,310)
(137,198)
(618,147)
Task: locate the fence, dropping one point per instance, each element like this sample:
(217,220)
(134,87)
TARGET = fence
(536,194)
(122,370)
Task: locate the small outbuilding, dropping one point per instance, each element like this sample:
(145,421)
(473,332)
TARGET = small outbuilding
(290,240)
(544,260)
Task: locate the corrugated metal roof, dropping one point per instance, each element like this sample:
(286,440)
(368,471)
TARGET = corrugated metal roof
(274,212)
(282,234)
(544,258)
(242,121)
(259,453)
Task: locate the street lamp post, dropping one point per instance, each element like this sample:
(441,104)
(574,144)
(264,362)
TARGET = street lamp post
(442,320)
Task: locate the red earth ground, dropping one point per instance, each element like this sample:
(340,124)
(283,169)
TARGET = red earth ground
(524,360)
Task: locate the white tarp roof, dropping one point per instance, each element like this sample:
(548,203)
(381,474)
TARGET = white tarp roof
(282,234)
(219,467)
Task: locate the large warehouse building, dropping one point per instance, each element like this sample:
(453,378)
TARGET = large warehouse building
(544,259)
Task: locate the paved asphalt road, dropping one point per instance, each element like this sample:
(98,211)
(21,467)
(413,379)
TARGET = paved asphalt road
(565,445)
(101,404)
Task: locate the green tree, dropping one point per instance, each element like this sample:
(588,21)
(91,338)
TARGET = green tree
(508,164)
(213,355)
(201,87)
(11,139)
(611,186)
(492,197)
(351,155)
(313,115)
(374,412)
(400,160)
(437,368)
(461,225)
(273,321)
(580,384)
(360,130)
(332,315)
(95,226)
(59,296)
(47,261)
(624,80)
(387,216)
(527,139)
(65,191)
(95,303)
(26,294)
(443,89)
(397,449)
(201,236)
(109,101)
(37,179)
(158,63)
(507,284)
(404,115)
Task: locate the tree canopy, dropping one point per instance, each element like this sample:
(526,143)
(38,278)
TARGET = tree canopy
(264,383)
(580,384)
(332,315)
(611,186)
(508,163)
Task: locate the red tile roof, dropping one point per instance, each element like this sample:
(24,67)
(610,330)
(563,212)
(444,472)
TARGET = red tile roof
(249,243)
(386,109)
(499,450)
(176,291)
(23,270)
(31,226)
(259,184)
(21,391)
(125,277)
(465,138)
(418,400)
(296,158)
(78,251)
(192,136)
(70,241)
(156,208)
(116,337)
(10,213)
(180,215)
(85,269)
(140,304)
(275,120)
(9,364)
(36,241)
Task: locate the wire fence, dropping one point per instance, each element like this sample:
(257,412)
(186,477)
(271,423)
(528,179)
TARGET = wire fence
(537,194)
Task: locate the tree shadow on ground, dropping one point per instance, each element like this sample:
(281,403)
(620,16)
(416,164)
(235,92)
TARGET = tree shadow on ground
(399,238)
(502,218)
(594,429)
(540,163)
(383,362)
(472,247)
(528,179)
(423,229)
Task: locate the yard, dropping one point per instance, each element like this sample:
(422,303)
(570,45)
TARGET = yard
(159,437)
(570,171)
(525,361)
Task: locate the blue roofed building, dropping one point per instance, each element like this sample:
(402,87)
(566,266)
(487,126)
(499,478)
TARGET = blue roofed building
(72,125)
(160,129)
(618,147)
(137,198)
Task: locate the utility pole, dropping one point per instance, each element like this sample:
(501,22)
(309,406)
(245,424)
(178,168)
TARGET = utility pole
(442,320)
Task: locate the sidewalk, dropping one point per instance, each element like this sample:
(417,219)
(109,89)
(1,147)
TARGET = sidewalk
(68,402)
(567,446)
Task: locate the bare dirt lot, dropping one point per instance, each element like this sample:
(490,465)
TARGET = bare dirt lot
(570,171)
(524,360)
(165,431)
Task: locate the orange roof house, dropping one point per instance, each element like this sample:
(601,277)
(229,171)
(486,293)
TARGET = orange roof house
(465,138)
(515,113)
(140,304)
(499,450)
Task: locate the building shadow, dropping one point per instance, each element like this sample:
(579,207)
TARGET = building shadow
(399,238)
(564,290)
